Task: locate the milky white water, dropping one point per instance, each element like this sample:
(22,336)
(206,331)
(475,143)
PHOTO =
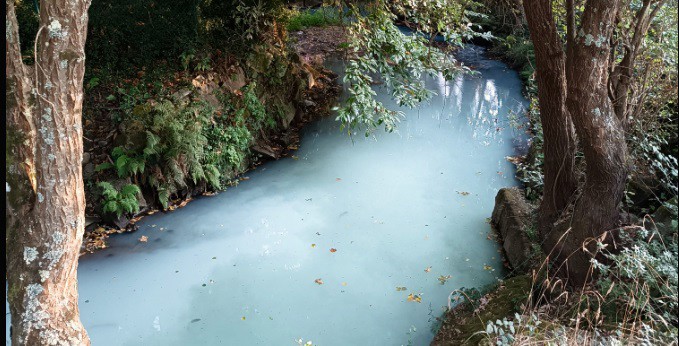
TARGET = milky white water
(239,268)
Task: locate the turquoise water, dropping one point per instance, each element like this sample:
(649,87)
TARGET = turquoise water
(254,265)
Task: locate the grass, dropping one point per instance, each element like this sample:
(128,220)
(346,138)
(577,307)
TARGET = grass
(314,18)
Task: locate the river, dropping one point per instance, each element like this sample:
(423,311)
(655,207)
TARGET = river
(326,245)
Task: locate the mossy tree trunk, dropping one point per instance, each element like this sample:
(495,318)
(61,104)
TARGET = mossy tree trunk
(45,193)
(579,88)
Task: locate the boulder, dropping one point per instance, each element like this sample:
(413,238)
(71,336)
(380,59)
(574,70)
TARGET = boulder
(512,219)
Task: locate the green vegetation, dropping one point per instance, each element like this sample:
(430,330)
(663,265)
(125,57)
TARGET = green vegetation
(324,16)
(119,202)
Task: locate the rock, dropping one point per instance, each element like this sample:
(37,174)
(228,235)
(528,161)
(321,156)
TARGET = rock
(512,218)
(212,101)
(181,94)
(121,222)
(265,149)
(665,218)
(88,171)
(309,103)
(236,80)
(87,157)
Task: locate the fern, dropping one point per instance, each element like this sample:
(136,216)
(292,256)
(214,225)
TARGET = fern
(119,202)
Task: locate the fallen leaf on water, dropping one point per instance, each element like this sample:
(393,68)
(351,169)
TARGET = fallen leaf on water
(313,245)
(414,298)
(487,267)
(295,157)
(463,193)
(443,279)
(401,288)
(344,284)
(243,318)
(144,239)
(338,179)
(428,269)
(318,281)
(333,250)
(500,173)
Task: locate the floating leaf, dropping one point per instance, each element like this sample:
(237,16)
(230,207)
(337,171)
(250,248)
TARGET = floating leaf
(319,281)
(463,193)
(242,318)
(401,288)
(294,157)
(443,279)
(313,245)
(428,269)
(344,284)
(338,179)
(415,298)
(333,250)
(144,239)
(487,267)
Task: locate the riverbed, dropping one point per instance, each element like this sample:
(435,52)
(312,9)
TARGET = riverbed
(351,241)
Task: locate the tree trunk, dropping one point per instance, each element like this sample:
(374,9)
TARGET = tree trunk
(45,192)
(601,135)
(560,181)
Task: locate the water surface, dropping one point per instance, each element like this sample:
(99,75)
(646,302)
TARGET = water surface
(362,216)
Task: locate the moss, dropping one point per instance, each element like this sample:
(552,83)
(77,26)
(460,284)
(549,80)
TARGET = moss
(461,325)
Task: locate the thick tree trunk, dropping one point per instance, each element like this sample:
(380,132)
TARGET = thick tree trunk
(45,192)
(601,135)
(560,181)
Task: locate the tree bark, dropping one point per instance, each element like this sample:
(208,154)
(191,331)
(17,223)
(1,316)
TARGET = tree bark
(45,192)
(560,182)
(601,135)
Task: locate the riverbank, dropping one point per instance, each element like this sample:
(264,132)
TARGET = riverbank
(229,86)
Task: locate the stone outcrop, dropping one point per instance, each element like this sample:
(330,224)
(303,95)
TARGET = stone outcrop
(512,219)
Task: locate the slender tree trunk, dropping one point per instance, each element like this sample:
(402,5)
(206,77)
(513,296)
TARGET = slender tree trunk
(560,181)
(623,74)
(601,135)
(45,192)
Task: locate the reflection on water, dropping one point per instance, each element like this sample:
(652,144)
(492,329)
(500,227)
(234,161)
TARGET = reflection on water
(315,247)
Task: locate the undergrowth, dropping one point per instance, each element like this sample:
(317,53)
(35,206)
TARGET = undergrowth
(324,16)
(633,299)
